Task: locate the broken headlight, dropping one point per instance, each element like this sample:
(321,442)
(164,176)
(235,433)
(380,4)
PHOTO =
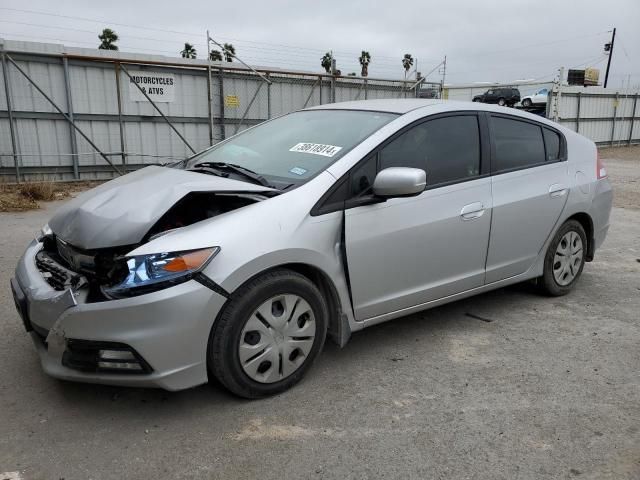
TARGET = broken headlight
(147,273)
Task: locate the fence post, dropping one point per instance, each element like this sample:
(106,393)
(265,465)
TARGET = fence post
(333,89)
(72,131)
(268,97)
(120,124)
(633,117)
(366,89)
(613,123)
(320,82)
(221,92)
(578,113)
(12,131)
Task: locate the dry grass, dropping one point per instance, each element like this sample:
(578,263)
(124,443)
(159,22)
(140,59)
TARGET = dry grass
(38,190)
(18,197)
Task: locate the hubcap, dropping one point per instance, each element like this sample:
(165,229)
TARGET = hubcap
(568,258)
(277,338)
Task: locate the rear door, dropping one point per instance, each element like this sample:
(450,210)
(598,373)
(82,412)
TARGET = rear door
(530,187)
(408,251)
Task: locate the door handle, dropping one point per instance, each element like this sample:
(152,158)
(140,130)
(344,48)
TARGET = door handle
(472,211)
(557,190)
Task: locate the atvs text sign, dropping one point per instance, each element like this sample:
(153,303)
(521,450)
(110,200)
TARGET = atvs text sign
(159,86)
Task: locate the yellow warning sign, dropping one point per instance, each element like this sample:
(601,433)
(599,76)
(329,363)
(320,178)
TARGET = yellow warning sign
(231,101)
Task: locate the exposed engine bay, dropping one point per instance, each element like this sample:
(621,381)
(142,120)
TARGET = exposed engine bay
(66,266)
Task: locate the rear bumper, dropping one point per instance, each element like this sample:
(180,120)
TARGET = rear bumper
(601,210)
(169,329)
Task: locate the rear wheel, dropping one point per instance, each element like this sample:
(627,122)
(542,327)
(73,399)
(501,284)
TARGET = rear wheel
(501,102)
(564,259)
(268,335)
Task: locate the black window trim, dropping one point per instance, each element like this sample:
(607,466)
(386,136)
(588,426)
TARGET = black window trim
(563,143)
(485,161)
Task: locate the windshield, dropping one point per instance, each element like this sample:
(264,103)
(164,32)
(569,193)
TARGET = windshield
(292,149)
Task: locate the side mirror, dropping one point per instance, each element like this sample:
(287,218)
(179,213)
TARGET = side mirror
(399,182)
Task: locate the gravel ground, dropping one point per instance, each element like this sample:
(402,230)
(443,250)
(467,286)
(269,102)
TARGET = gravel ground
(506,385)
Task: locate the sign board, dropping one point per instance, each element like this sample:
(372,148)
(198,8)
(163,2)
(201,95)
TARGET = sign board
(591,76)
(159,86)
(231,101)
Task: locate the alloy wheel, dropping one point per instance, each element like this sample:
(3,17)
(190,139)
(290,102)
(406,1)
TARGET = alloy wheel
(277,338)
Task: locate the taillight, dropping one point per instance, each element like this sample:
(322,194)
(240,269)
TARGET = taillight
(601,172)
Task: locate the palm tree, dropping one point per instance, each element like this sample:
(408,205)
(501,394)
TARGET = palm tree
(325,62)
(215,56)
(189,51)
(365,60)
(229,52)
(407,63)
(108,39)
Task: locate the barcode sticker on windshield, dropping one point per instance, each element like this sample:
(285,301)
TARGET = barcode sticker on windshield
(316,149)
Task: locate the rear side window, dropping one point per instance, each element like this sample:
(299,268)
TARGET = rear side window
(553,144)
(517,144)
(447,149)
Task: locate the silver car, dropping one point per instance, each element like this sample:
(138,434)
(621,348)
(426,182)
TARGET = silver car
(239,262)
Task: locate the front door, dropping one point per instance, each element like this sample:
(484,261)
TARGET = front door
(409,251)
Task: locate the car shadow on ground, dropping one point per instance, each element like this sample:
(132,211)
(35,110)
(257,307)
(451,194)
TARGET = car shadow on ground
(386,339)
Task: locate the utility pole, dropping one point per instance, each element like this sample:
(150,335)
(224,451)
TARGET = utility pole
(608,47)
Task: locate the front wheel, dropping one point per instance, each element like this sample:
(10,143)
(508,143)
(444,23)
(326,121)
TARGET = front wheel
(526,102)
(564,259)
(268,335)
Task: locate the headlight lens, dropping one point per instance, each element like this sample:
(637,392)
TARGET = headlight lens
(147,273)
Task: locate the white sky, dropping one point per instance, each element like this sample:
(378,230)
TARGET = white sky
(484,41)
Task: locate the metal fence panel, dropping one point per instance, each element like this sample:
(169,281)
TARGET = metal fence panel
(133,132)
(93,89)
(606,116)
(48,76)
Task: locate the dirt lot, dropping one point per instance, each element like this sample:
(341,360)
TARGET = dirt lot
(537,388)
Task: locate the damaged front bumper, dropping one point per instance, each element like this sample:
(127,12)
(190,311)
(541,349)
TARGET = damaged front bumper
(166,331)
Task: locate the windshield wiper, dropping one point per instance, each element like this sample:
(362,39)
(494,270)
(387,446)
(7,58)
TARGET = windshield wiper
(237,169)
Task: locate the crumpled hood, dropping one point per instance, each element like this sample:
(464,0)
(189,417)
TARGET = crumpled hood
(122,211)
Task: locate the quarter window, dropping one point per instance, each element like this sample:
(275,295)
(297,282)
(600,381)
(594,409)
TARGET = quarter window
(552,142)
(447,149)
(517,144)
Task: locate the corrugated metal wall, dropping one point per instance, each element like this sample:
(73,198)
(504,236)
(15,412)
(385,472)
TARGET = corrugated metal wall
(606,116)
(135,134)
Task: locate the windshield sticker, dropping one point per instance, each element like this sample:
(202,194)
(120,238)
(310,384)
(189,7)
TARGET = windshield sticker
(298,170)
(316,149)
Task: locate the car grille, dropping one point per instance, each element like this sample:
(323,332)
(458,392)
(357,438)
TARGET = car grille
(75,259)
(55,274)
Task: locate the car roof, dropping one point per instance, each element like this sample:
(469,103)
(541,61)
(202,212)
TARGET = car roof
(391,105)
(430,106)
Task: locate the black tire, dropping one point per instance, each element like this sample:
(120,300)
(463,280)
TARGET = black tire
(526,102)
(223,357)
(476,100)
(501,102)
(548,283)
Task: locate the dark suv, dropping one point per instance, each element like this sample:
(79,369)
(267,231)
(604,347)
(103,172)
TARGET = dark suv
(501,96)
